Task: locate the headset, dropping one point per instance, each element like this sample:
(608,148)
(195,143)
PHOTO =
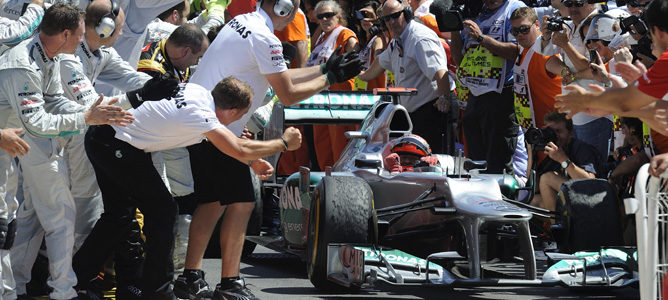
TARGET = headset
(106,26)
(283,8)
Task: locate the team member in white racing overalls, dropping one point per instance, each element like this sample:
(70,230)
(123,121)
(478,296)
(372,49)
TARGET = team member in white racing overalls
(31,97)
(94,61)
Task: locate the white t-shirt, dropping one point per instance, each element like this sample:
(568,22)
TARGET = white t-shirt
(247,49)
(167,124)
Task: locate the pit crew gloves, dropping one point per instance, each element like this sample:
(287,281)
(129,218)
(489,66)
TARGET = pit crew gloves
(157,88)
(332,61)
(349,66)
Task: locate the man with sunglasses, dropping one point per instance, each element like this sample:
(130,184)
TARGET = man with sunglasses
(485,52)
(535,86)
(416,57)
(597,131)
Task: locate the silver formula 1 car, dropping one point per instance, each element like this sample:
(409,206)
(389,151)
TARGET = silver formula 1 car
(358,223)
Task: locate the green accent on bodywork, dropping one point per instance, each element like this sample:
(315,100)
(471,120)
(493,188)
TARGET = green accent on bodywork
(397,257)
(327,106)
(295,207)
(509,185)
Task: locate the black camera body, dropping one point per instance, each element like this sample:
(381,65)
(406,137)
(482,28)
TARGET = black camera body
(540,137)
(633,23)
(376,29)
(555,23)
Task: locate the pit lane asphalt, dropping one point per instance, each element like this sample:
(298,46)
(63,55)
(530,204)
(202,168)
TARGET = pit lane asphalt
(272,275)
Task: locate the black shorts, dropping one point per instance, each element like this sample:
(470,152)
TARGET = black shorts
(219,177)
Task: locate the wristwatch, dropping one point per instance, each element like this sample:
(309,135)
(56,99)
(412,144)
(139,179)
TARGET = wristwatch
(480,38)
(565,164)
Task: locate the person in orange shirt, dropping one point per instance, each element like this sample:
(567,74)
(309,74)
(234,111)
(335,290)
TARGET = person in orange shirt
(296,33)
(329,140)
(535,85)
(376,38)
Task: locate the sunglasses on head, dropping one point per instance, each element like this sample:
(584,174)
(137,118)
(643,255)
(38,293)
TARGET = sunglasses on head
(569,3)
(328,15)
(392,16)
(524,29)
(361,15)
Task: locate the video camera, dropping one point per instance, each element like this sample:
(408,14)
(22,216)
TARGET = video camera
(554,23)
(633,23)
(540,137)
(451,13)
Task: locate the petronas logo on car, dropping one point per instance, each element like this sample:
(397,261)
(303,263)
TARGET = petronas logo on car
(290,198)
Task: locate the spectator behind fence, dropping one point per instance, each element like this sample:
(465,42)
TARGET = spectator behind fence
(329,140)
(642,100)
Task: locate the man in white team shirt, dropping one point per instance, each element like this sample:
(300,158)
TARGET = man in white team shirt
(128,179)
(252,53)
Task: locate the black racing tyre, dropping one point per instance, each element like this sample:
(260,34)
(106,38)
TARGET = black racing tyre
(255,220)
(340,212)
(589,211)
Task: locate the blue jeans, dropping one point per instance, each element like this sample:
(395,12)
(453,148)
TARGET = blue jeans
(597,133)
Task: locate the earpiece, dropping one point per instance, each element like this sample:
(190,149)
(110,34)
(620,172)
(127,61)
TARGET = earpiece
(283,8)
(408,13)
(106,26)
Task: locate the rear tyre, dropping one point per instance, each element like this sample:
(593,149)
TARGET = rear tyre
(340,213)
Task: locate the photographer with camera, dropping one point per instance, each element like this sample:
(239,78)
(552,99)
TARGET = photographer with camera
(568,158)
(485,52)
(642,100)
(563,36)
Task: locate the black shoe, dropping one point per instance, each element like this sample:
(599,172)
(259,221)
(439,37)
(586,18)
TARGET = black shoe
(24,297)
(195,289)
(128,292)
(238,291)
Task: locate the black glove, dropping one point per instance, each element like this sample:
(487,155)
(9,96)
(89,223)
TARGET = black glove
(157,88)
(349,66)
(332,61)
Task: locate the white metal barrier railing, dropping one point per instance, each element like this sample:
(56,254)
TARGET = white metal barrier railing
(650,207)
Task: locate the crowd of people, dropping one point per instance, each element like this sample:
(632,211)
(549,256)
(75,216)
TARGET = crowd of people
(123,122)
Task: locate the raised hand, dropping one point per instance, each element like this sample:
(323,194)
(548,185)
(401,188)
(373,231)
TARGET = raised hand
(293,137)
